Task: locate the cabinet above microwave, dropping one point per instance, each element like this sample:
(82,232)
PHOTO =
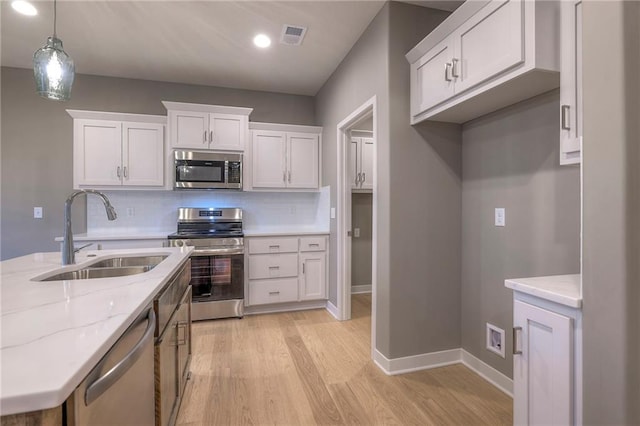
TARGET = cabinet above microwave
(208,127)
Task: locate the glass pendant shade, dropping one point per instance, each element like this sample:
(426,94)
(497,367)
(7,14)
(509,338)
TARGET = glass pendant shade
(53,70)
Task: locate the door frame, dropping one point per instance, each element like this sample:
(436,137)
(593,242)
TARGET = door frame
(367,109)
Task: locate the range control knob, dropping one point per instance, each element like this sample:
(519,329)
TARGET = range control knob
(179,243)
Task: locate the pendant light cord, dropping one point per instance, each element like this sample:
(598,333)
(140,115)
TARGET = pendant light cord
(54,19)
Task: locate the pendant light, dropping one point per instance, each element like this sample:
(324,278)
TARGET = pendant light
(53,69)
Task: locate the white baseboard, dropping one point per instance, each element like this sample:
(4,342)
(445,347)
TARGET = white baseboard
(408,364)
(426,361)
(333,310)
(357,289)
(285,307)
(488,373)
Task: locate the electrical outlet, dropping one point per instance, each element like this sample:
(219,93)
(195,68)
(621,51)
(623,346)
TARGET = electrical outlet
(38,213)
(131,212)
(501,217)
(356,232)
(495,340)
(333,212)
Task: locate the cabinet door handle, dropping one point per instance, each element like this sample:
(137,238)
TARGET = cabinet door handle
(454,68)
(447,67)
(204,137)
(118,172)
(303,268)
(357,179)
(274,267)
(364,177)
(274,293)
(277,246)
(289,176)
(565,117)
(124,171)
(182,326)
(211,136)
(314,245)
(284,176)
(517,350)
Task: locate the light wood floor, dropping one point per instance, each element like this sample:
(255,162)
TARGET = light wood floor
(306,368)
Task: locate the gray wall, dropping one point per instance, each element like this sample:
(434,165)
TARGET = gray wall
(37,140)
(417,200)
(425,203)
(362,74)
(510,160)
(361,247)
(611,244)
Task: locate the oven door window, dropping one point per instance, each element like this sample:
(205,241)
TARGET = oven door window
(217,277)
(200,171)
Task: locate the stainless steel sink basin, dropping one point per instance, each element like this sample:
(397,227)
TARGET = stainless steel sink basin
(89,273)
(109,268)
(118,262)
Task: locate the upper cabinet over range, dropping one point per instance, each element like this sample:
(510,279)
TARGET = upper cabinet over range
(214,127)
(485,56)
(117,151)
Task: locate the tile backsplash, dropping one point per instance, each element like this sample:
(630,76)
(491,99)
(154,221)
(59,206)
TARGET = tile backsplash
(157,211)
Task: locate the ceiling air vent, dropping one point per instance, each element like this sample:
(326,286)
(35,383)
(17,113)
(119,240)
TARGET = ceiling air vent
(292,35)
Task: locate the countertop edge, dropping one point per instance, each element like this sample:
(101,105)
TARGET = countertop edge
(562,289)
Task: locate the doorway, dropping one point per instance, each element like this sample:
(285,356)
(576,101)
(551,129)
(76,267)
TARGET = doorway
(361,181)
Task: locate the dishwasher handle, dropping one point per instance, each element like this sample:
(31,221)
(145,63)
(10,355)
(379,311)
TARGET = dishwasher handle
(100,385)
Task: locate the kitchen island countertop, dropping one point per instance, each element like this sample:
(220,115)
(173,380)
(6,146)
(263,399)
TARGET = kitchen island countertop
(55,332)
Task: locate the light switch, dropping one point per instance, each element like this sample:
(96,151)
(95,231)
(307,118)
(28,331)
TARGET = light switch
(500,216)
(356,232)
(37,213)
(333,212)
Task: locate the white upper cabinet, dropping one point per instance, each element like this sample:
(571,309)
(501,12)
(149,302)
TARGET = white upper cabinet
(362,149)
(484,56)
(571,83)
(284,156)
(117,151)
(210,127)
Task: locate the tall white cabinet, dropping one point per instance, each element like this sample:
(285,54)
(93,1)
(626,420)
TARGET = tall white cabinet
(571,82)
(362,151)
(117,151)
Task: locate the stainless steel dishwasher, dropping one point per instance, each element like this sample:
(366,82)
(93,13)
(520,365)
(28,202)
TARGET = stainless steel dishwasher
(120,389)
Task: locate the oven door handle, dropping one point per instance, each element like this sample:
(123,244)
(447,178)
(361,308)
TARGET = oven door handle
(217,252)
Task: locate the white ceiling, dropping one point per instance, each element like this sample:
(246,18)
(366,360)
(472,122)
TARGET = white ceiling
(196,42)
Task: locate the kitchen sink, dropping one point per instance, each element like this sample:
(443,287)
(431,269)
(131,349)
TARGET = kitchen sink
(109,268)
(119,262)
(89,273)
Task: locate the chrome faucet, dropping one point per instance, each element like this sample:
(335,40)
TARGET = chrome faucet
(68,251)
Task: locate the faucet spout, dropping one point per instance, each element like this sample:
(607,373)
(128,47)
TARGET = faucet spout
(68,252)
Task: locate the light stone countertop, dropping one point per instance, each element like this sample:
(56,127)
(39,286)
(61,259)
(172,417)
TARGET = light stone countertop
(115,236)
(54,333)
(562,289)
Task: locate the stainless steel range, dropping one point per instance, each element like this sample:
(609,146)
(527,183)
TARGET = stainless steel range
(217,262)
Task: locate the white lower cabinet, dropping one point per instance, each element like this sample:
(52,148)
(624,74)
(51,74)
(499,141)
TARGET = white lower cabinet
(546,366)
(286,269)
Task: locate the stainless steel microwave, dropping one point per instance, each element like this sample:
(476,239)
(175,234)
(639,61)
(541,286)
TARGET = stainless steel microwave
(207,170)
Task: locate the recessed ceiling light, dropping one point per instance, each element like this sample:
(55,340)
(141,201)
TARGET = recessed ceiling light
(262,41)
(24,7)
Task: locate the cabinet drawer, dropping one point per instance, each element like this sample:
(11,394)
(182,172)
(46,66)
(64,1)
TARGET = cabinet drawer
(273,245)
(313,244)
(273,266)
(263,292)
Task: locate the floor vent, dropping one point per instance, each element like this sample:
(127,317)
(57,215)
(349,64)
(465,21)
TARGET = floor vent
(292,35)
